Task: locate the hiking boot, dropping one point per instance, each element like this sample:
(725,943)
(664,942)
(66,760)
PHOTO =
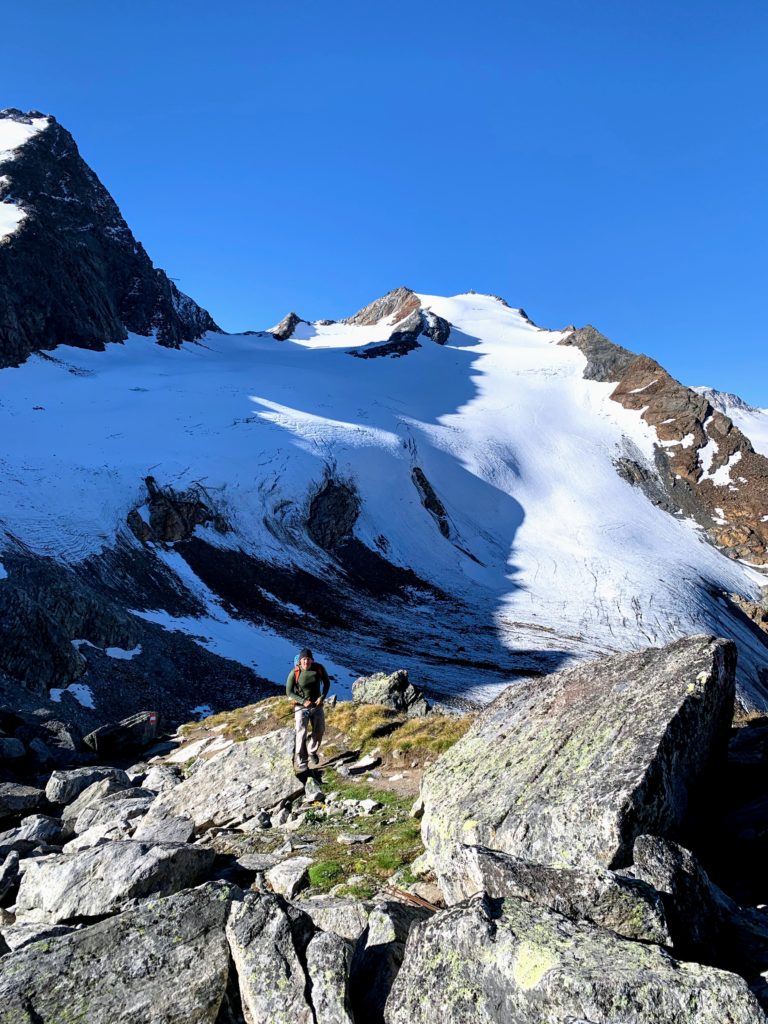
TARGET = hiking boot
(302,766)
(314,760)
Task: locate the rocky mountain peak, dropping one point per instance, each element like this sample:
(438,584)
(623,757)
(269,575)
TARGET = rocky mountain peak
(72,271)
(396,305)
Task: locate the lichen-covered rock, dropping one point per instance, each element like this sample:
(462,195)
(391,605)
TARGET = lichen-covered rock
(568,770)
(91,796)
(289,876)
(509,962)
(169,830)
(392,690)
(268,939)
(236,784)
(165,962)
(117,808)
(65,786)
(161,777)
(328,962)
(627,906)
(101,879)
(342,915)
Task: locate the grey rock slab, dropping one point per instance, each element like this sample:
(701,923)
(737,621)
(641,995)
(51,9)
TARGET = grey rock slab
(169,830)
(65,786)
(99,880)
(40,751)
(16,799)
(378,957)
(236,784)
(98,834)
(161,777)
(341,915)
(268,940)
(40,828)
(569,769)
(289,876)
(629,907)
(509,962)
(9,873)
(19,935)
(117,808)
(363,765)
(166,962)
(353,838)
(256,862)
(312,790)
(328,961)
(93,794)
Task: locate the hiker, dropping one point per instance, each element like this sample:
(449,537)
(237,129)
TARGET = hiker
(307,686)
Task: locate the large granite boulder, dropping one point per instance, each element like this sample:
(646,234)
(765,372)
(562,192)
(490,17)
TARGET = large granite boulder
(137,730)
(100,880)
(16,798)
(236,784)
(509,962)
(627,906)
(392,690)
(166,962)
(569,770)
(288,973)
(65,786)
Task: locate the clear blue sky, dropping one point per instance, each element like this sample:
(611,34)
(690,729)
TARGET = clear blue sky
(594,162)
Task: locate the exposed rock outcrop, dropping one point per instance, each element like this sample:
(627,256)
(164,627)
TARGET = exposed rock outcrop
(286,327)
(403,310)
(495,961)
(569,770)
(707,467)
(73,273)
(392,690)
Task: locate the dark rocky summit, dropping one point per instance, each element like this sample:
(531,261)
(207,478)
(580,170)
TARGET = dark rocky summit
(403,309)
(73,273)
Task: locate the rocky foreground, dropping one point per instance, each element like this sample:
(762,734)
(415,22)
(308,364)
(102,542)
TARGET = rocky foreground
(551,883)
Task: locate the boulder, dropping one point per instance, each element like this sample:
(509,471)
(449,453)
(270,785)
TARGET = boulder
(117,808)
(91,796)
(379,956)
(136,731)
(161,777)
(706,924)
(33,831)
(393,690)
(99,880)
(65,786)
(170,830)
(9,873)
(40,751)
(627,906)
(166,962)
(236,784)
(329,958)
(570,769)
(341,915)
(268,939)
(11,749)
(19,935)
(97,835)
(501,961)
(289,876)
(16,799)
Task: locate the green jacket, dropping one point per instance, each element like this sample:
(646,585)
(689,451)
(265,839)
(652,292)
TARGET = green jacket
(309,683)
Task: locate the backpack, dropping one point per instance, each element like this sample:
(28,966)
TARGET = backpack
(297,671)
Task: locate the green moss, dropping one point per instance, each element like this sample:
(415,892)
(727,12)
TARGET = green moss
(325,873)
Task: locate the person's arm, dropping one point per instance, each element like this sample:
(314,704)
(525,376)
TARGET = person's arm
(326,684)
(290,687)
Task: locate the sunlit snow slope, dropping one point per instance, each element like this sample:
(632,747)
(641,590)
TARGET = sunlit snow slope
(542,553)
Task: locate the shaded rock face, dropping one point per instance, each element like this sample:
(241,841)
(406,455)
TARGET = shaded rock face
(567,771)
(501,961)
(173,515)
(707,467)
(286,327)
(629,907)
(393,690)
(73,273)
(430,500)
(182,937)
(333,512)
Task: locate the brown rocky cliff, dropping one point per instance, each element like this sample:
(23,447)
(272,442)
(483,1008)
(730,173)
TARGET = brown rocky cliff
(697,441)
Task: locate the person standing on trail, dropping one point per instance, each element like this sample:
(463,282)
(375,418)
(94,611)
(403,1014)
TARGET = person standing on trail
(307,686)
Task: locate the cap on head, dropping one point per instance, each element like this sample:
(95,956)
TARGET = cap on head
(305,653)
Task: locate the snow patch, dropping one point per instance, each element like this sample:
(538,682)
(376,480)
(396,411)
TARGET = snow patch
(201,711)
(722,476)
(122,655)
(82,694)
(3,572)
(12,135)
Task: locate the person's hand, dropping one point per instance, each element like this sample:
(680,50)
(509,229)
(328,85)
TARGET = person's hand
(307,703)
(319,702)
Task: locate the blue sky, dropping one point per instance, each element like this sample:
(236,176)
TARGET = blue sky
(594,162)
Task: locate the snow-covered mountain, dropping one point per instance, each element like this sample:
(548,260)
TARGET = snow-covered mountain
(750,420)
(433,483)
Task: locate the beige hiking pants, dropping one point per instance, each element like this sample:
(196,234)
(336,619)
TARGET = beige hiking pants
(313,719)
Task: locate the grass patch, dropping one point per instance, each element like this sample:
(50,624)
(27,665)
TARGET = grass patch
(363,723)
(432,734)
(325,873)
